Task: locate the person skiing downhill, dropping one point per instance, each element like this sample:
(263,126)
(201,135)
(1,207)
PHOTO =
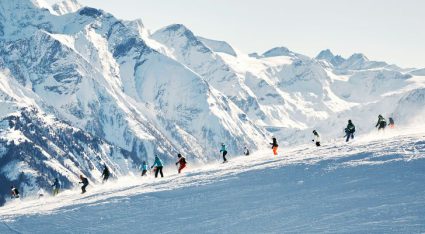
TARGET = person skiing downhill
(182,162)
(85,182)
(224,151)
(14,192)
(316,138)
(391,120)
(159,165)
(144,168)
(56,186)
(274,145)
(381,124)
(106,173)
(349,130)
(246,151)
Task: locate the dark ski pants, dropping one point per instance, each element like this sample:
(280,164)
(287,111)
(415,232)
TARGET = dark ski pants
(158,170)
(83,188)
(349,134)
(144,172)
(224,156)
(105,178)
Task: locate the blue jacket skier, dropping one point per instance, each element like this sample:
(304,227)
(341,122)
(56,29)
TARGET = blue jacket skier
(144,168)
(224,151)
(159,165)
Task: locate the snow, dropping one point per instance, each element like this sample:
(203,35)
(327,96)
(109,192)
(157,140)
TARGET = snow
(80,88)
(218,46)
(374,184)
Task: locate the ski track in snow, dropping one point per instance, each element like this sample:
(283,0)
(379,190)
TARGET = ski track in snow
(251,194)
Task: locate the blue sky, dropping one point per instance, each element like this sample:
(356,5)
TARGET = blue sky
(389,30)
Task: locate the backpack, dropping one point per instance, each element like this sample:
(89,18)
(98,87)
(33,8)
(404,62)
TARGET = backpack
(183,160)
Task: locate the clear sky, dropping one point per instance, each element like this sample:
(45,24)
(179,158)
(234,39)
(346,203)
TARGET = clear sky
(388,30)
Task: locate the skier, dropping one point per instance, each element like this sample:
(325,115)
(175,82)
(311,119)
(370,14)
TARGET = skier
(14,192)
(105,174)
(182,162)
(56,186)
(274,145)
(391,120)
(224,151)
(159,165)
(246,151)
(85,182)
(316,138)
(144,168)
(382,123)
(349,130)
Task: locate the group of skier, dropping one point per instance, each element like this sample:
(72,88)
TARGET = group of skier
(181,162)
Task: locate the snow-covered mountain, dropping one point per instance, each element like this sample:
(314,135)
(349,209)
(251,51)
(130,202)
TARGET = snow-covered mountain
(80,88)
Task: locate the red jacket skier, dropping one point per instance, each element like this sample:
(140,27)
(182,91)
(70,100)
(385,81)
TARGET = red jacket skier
(182,162)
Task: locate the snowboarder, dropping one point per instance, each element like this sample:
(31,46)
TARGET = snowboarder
(105,174)
(349,130)
(391,120)
(274,145)
(144,168)
(56,186)
(316,138)
(159,165)
(246,151)
(224,151)
(85,182)
(14,192)
(382,123)
(182,162)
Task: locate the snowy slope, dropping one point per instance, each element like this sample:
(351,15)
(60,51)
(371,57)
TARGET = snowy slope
(126,94)
(367,186)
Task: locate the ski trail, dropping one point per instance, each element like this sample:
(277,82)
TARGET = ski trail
(339,155)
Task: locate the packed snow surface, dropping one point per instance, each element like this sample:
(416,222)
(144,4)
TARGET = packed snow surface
(371,185)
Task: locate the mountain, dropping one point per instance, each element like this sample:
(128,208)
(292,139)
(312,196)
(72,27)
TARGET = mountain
(96,73)
(218,46)
(67,6)
(80,88)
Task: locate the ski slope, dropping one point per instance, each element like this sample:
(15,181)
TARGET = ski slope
(373,184)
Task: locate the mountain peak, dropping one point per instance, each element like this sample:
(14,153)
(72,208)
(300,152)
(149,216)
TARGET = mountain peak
(358,57)
(328,56)
(325,55)
(218,46)
(278,51)
(66,7)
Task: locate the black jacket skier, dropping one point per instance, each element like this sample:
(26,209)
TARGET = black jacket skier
(14,192)
(382,123)
(56,186)
(349,130)
(106,174)
(246,151)
(274,145)
(316,138)
(85,182)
